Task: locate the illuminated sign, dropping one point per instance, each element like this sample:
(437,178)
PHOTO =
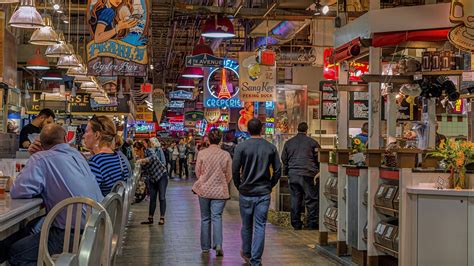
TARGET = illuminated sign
(214,86)
(181,94)
(204,60)
(176,104)
(145,127)
(331,70)
(146,88)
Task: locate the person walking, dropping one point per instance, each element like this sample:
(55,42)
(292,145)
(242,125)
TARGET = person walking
(213,172)
(174,154)
(154,166)
(256,170)
(183,159)
(300,162)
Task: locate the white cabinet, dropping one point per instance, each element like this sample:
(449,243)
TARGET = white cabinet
(442,230)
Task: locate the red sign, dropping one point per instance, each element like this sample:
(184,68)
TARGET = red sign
(331,70)
(267,57)
(146,88)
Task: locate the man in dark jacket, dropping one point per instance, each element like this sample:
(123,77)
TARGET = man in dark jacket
(255,171)
(300,163)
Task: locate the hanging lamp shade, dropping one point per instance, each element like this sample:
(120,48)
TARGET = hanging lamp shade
(26,16)
(89,85)
(193,73)
(52,76)
(77,71)
(185,83)
(202,48)
(37,61)
(68,61)
(45,35)
(220,27)
(58,50)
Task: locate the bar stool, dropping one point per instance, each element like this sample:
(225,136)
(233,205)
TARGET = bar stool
(114,206)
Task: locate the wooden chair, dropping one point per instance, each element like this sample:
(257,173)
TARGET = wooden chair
(114,205)
(97,233)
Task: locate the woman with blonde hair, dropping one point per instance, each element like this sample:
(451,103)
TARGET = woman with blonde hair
(213,172)
(154,168)
(106,164)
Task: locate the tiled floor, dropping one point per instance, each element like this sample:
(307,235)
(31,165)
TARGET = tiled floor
(177,242)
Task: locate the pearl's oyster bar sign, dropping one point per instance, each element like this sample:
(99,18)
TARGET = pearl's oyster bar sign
(118,29)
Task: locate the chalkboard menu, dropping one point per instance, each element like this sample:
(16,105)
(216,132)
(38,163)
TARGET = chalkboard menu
(328,100)
(359,106)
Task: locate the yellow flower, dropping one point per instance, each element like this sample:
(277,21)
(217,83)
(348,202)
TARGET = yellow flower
(357,141)
(442,144)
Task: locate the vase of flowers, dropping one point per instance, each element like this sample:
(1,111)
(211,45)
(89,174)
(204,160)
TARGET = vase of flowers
(357,151)
(455,155)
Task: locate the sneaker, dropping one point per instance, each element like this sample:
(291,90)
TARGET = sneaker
(219,251)
(205,251)
(246,259)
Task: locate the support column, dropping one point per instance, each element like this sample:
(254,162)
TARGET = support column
(391,117)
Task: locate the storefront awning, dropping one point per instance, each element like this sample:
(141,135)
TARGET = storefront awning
(395,38)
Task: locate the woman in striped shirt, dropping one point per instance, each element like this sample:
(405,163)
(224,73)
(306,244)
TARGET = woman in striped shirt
(106,164)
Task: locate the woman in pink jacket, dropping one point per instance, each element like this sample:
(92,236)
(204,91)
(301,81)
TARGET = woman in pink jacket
(214,172)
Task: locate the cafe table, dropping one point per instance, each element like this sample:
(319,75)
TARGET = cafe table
(14,212)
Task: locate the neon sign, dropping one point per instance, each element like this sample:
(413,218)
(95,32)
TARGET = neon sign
(223,92)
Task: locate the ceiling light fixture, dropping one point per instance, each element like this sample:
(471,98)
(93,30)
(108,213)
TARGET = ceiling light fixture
(26,16)
(218,27)
(56,7)
(45,35)
(37,61)
(202,48)
(52,76)
(185,83)
(68,61)
(193,73)
(58,50)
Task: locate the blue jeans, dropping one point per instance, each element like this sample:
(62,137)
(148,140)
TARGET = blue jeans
(154,190)
(211,212)
(22,247)
(254,211)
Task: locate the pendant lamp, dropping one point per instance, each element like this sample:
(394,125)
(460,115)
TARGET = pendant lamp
(37,61)
(218,27)
(58,50)
(52,76)
(77,71)
(89,85)
(193,73)
(68,61)
(185,83)
(26,16)
(45,35)
(202,48)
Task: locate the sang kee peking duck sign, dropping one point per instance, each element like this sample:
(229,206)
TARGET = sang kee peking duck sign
(119,43)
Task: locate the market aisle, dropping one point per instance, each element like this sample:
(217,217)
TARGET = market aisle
(177,242)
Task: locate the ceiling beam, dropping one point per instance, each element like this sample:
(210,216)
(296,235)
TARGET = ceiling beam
(258,13)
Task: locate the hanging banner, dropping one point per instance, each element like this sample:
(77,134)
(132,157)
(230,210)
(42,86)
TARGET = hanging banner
(212,115)
(159,103)
(119,37)
(462,35)
(257,82)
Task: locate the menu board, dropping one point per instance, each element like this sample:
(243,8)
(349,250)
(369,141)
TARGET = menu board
(328,100)
(359,106)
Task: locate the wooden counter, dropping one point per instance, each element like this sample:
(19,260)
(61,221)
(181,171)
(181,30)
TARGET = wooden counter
(14,211)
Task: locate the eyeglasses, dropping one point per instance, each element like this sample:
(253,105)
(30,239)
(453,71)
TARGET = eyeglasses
(96,119)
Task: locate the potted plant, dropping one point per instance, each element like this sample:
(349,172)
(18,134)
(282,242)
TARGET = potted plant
(455,156)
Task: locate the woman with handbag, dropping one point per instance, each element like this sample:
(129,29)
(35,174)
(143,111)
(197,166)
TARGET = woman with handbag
(213,172)
(157,179)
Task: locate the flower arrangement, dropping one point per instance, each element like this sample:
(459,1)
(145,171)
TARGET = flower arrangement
(357,148)
(455,155)
(357,145)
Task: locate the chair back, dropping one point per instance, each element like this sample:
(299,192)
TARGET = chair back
(121,188)
(114,206)
(96,235)
(78,210)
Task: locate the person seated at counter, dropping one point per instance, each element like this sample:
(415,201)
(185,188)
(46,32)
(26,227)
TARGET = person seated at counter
(106,164)
(54,172)
(45,116)
(364,136)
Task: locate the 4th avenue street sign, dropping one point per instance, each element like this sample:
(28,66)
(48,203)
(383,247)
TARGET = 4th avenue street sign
(204,60)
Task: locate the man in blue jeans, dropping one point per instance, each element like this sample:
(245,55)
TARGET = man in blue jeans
(255,170)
